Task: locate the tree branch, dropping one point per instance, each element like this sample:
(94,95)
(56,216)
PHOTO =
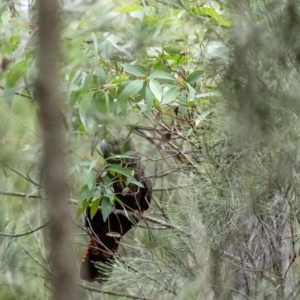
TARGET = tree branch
(22,195)
(111,293)
(25,233)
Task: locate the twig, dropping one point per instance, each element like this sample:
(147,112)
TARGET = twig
(17,93)
(111,293)
(25,233)
(20,174)
(140,216)
(35,259)
(22,195)
(17,120)
(172,188)
(148,218)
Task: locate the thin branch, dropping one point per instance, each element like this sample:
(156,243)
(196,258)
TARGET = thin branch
(20,174)
(35,259)
(111,293)
(140,216)
(25,233)
(23,124)
(148,218)
(17,93)
(172,188)
(22,195)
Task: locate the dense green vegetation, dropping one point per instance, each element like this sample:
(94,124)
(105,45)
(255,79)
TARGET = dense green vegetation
(209,91)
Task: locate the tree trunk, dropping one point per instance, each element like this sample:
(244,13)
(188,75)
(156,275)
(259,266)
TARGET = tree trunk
(54,167)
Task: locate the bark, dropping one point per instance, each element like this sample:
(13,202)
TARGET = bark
(53,169)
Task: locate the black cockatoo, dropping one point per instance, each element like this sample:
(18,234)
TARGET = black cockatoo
(105,236)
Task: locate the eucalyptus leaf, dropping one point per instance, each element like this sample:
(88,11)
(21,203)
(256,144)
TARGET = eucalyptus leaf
(106,208)
(210,12)
(135,70)
(83,108)
(162,75)
(155,89)
(131,89)
(89,179)
(170,95)
(92,165)
(149,99)
(15,73)
(192,78)
(94,207)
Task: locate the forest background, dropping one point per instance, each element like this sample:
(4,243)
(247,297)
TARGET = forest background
(209,90)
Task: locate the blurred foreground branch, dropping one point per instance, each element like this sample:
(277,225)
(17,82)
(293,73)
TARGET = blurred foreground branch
(53,168)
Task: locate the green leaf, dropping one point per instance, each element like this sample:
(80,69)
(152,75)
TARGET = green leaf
(102,76)
(155,89)
(120,80)
(136,183)
(170,95)
(127,146)
(118,156)
(135,70)
(9,95)
(192,78)
(5,17)
(118,169)
(125,191)
(210,12)
(107,180)
(85,203)
(131,89)
(88,79)
(125,172)
(85,194)
(72,170)
(89,180)
(106,208)
(94,207)
(149,99)
(15,73)
(162,75)
(80,210)
(173,48)
(92,165)
(191,95)
(202,117)
(109,193)
(84,106)
(95,42)
(129,9)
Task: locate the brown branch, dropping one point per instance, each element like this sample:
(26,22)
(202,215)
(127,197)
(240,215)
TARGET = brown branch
(20,174)
(25,233)
(22,195)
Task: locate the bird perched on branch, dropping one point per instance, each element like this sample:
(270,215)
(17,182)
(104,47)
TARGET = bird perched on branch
(106,235)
